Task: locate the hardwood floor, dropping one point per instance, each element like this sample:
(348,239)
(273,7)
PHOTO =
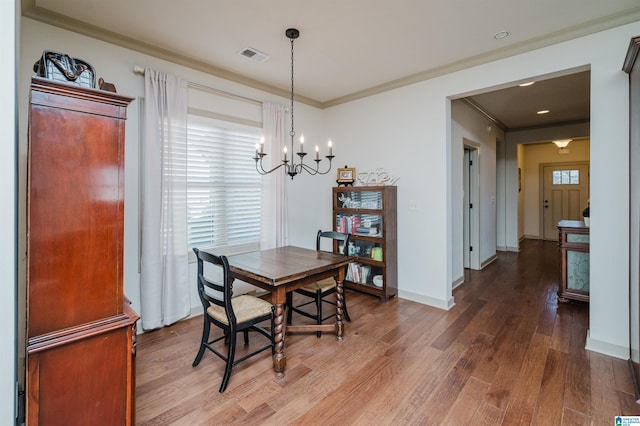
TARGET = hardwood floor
(507,354)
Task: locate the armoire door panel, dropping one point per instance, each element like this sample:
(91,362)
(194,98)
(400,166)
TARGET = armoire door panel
(75,214)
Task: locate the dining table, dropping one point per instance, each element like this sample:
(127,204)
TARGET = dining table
(284,269)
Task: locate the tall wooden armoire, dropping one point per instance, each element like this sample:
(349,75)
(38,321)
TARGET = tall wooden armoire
(80,329)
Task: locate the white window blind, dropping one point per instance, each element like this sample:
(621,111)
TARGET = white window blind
(223,187)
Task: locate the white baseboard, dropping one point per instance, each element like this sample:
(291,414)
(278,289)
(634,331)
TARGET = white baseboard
(457,282)
(605,348)
(426,300)
(488,261)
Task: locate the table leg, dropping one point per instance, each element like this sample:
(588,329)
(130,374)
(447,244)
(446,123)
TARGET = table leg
(279,358)
(339,304)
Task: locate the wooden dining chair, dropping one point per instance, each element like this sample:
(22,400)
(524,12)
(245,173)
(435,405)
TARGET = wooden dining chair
(231,314)
(318,291)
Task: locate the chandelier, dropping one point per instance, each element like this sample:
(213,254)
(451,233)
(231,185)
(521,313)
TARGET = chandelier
(290,166)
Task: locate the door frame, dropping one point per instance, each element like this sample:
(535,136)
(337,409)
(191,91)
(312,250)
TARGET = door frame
(471,196)
(541,167)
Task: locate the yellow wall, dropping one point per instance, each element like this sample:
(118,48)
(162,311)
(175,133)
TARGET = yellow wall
(534,155)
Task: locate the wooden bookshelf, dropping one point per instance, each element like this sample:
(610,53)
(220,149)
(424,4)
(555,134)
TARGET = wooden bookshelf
(369,215)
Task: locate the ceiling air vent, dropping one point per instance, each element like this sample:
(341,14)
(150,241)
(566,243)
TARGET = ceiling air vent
(253,54)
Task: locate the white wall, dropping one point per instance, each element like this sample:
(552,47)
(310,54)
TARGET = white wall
(8,220)
(408,131)
(467,124)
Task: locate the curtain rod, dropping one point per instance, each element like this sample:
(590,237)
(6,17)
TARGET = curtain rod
(137,69)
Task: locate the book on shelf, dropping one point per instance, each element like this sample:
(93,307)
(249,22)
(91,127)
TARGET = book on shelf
(354,225)
(367,231)
(365,271)
(347,224)
(358,273)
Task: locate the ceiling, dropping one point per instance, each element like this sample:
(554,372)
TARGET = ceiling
(351,49)
(566,98)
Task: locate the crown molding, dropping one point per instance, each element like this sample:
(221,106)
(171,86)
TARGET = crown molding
(32,11)
(567,34)
(473,104)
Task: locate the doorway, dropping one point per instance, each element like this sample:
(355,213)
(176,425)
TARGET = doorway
(565,191)
(470,207)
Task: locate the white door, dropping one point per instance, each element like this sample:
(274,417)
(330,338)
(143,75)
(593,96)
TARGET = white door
(565,195)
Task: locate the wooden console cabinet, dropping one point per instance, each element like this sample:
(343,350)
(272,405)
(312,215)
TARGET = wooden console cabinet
(368,214)
(80,329)
(574,252)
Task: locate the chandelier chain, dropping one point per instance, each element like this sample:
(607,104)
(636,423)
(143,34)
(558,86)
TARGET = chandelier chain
(292,133)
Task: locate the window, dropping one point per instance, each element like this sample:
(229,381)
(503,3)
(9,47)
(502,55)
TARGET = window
(566,177)
(223,188)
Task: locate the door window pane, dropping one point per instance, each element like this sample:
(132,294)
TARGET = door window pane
(566,177)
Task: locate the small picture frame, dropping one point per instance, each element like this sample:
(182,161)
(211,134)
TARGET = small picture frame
(346,175)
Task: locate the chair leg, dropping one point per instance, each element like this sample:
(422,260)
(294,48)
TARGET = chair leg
(230,357)
(246,336)
(289,307)
(319,311)
(205,338)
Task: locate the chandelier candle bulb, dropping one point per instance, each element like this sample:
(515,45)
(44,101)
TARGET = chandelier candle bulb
(262,145)
(317,153)
(330,147)
(285,154)
(301,144)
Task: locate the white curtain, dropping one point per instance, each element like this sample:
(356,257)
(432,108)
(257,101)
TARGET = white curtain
(274,232)
(164,284)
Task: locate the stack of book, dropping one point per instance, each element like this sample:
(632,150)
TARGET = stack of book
(347,224)
(358,273)
(353,225)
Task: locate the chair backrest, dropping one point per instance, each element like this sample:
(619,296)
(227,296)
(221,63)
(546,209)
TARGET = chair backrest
(343,239)
(222,287)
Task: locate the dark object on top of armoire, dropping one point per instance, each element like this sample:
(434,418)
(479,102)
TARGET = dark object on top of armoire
(65,69)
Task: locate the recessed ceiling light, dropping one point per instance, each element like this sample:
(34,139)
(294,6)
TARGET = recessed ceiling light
(543,111)
(501,34)
(530,83)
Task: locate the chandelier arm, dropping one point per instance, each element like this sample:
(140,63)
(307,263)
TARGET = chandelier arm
(262,171)
(317,171)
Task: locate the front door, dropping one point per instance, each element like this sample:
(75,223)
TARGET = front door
(565,195)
